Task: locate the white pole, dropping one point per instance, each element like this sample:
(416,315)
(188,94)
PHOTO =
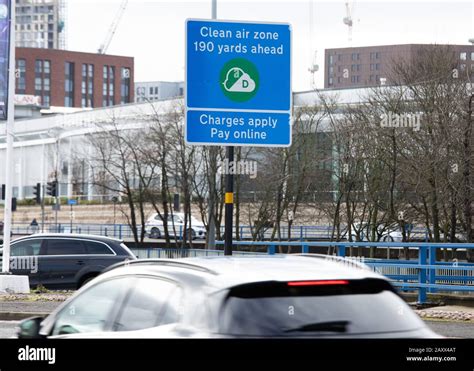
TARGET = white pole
(10,127)
(211,238)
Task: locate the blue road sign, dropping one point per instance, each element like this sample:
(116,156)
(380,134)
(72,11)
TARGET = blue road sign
(72,202)
(238,83)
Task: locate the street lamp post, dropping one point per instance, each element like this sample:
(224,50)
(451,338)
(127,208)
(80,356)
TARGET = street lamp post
(9,131)
(114,200)
(8,282)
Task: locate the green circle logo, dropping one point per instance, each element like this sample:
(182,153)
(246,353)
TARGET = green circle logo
(239,80)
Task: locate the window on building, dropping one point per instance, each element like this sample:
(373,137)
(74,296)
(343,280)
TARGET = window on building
(125,85)
(69,84)
(463,56)
(377,66)
(47,84)
(331,59)
(112,85)
(108,84)
(355,56)
(330,81)
(151,90)
(339,57)
(372,56)
(38,66)
(462,67)
(21,76)
(87,86)
(43,81)
(156,90)
(90,86)
(355,68)
(331,70)
(46,100)
(47,67)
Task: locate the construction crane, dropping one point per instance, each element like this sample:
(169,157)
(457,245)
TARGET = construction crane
(113,28)
(347,20)
(313,68)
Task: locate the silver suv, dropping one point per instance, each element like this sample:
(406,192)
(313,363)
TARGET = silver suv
(279,296)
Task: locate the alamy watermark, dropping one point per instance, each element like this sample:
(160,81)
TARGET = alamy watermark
(242,167)
(349,261)
(403,120)
(37,354)
(29,263)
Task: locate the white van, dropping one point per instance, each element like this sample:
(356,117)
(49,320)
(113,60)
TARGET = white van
(154,226)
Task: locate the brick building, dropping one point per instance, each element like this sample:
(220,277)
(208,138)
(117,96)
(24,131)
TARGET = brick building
(73,79)
(371,65)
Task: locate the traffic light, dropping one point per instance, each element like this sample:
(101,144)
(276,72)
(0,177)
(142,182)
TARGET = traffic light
(52,188)
(37,193)
(3,191)
(14,204)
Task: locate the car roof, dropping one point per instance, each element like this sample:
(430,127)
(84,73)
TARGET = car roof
(69,235)
(223,271)
(177,213)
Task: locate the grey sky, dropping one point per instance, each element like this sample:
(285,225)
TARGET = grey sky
(153,31)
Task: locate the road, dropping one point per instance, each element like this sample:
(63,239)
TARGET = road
(448,329)
(453,329)
(8,328)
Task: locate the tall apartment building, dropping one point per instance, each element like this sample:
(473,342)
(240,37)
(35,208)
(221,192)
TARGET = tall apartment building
(63,78)
(41,24)
(372,65)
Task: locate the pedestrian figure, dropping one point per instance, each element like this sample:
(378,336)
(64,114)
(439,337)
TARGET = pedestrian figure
(34,226)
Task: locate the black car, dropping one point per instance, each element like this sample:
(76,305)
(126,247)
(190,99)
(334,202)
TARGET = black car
(65,261)
(251,296)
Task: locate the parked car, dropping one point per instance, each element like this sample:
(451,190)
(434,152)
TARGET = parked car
(249,296)
(391,233)
(154,226)
(65,261)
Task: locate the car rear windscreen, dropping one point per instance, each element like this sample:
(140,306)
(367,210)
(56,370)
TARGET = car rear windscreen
(315,308)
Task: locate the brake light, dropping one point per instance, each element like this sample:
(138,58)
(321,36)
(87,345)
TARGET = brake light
(318,283)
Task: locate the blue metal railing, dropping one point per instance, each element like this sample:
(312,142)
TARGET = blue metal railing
(246,232)
(424,274)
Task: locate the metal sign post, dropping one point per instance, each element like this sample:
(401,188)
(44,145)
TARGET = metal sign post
(71,202)
(229,204)
(43,193)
